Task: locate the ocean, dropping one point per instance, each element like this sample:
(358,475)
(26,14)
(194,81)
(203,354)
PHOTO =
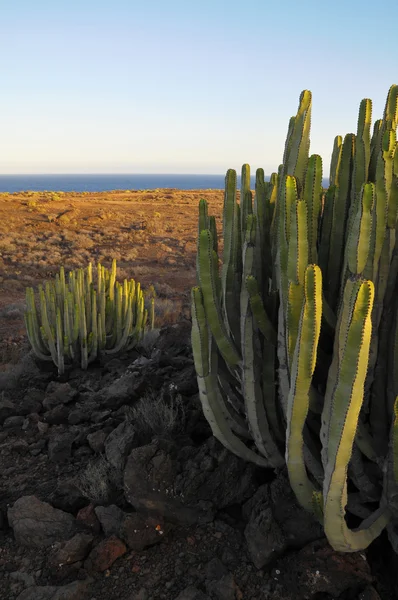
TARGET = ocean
(102,183)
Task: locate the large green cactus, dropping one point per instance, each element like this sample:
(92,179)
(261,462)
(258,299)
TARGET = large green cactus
(295,343)
(79,319)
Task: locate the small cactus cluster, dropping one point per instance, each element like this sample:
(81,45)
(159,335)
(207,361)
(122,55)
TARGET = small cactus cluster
(295,338)
(80,317)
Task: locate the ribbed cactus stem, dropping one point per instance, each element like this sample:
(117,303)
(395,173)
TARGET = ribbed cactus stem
(346,392)
(303,365)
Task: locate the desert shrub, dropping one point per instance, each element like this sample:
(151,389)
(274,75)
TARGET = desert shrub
(95,482)
(158,415)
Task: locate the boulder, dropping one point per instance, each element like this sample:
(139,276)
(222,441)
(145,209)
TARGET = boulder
(37,524)
(186,485)
(276,522)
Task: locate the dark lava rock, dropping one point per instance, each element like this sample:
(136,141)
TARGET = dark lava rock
(192,593)
(119,444)
(317,569)
(32,402)
(74,550)
(276,522)
(298,525)
(7,410)
(96,441)
(77,590)
(58,393)
(14,422)
(104,554)
(110,517)
(186,485)
(68,497)
(37,524)
(87,518)
(128,387)
(57,415)
(60,447)
(139,532)
(265,540)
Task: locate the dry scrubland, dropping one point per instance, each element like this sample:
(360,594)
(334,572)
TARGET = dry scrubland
(152,234)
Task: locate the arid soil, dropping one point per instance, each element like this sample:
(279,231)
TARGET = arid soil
(152,235)
(112,486)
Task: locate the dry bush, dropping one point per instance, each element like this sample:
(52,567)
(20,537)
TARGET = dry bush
(95,481)
(84,241)
(7,244)
(156,415)
(13,311)
(163,289)
(167,311)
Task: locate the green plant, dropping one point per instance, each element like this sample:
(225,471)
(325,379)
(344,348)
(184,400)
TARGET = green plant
(76,318)
(295,341)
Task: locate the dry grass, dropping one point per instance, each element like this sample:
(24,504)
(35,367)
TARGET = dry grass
(157,415)
(95,481)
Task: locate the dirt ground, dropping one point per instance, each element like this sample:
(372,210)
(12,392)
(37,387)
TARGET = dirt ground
(152,235)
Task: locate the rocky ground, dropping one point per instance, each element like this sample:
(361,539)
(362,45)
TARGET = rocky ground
(112,487)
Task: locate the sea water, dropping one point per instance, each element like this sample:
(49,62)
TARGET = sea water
(103,182)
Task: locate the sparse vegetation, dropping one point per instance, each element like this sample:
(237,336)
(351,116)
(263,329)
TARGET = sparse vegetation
(158,415)
(34,242)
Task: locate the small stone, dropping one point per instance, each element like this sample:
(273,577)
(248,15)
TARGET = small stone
(192,593)
(74,550)
(79,415)
(111,518)
(142,594)
(104,554)
(13,422)
(42,427)
(223,589)
(96,441)
(82,452)
(58,393)
(7,409)
(30,405)
(24,578)
(98,417)
(139,532)
(60,447)
(215,569)
(57,415)
(77,590)
(87,517)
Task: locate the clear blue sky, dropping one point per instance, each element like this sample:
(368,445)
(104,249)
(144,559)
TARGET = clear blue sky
(183,86)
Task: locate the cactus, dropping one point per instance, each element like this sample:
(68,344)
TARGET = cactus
(77,321)
(295,342)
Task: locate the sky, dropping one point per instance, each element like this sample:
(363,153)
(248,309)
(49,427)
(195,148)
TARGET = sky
(183,86)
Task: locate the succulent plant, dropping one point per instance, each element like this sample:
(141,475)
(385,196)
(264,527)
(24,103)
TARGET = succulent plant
(77,317)
(295,338)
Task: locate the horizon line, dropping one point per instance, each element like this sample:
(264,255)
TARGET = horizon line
(121,174)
